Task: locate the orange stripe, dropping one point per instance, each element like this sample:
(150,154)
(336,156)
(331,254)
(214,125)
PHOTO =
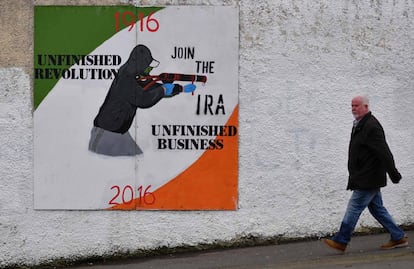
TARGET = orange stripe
(210,183)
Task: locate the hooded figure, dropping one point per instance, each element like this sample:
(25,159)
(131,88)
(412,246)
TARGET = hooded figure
(110,135)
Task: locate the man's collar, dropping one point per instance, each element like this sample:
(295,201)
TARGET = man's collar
(363,119)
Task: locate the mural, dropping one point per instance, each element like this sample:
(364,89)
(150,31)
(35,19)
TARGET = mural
(136,108)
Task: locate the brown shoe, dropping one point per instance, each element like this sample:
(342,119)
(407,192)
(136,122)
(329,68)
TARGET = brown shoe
(335,245)
(403,242)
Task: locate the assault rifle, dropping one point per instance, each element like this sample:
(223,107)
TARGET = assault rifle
(170,78)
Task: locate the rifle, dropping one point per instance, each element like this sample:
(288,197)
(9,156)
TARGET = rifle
(170,78)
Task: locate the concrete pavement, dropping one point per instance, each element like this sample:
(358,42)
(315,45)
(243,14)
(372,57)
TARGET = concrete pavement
(363,253)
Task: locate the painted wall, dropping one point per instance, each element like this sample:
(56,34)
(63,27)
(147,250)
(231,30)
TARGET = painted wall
(301,62)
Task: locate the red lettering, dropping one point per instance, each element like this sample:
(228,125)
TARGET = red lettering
(128,19)
(115,196)
(127,195)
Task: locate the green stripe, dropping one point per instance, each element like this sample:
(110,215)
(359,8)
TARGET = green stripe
(74,30)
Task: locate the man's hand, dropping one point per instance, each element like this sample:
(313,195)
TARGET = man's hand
(395,177)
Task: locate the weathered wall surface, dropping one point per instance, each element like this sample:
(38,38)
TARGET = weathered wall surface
(301,62)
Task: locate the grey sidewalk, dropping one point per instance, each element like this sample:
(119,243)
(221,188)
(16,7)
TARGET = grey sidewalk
(363,252)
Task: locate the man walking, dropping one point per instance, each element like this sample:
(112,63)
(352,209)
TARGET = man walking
(368,162)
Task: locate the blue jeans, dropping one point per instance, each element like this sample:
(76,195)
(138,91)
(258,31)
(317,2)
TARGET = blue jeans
(359,200)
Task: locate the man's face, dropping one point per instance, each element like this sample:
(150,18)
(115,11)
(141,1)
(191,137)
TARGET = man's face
(359,109)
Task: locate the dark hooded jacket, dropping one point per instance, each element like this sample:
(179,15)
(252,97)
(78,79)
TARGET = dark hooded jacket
(370,157)
(126,93)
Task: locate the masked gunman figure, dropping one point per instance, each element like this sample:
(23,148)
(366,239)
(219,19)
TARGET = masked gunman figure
(109,135)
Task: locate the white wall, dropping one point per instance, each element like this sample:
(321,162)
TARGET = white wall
(301,62)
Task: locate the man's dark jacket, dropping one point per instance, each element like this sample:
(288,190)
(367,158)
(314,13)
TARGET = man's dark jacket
(370,158)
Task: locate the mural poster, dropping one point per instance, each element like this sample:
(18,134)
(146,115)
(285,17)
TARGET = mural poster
(136,108)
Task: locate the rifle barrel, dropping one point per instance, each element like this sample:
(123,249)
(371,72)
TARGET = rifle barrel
(182,77)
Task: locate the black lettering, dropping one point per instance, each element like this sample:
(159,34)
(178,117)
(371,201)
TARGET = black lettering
(65,73)
(181,143)
(220,105)
(77,58)
(232,130)
(51,60)
(155,130)
(205,67)
(39,59)
(39,73)
(183,53)
(208,102)
(162,143)
(56,73)
(116,60)
(190,53)
(166,130)
(219,144)
(198,105)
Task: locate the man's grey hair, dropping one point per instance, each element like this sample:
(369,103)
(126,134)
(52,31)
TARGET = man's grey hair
(365,100)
